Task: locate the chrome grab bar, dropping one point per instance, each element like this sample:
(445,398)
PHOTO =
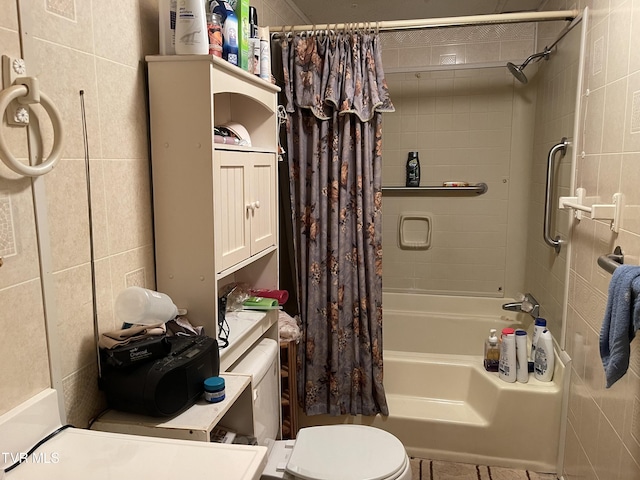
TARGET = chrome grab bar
(558,147)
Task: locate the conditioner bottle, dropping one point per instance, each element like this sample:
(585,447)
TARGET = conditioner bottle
(522,365)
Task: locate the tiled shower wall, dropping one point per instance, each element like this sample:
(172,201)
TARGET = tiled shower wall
(603,435)
(461,121)
(98,47)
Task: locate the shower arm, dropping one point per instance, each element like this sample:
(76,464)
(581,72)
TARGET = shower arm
(547,50)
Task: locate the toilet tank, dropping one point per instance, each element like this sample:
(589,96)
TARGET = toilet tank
(261,362)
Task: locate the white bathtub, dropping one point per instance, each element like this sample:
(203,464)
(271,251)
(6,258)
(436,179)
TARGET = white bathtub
(443,405)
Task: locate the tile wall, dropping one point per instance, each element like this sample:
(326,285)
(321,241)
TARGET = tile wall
(97,47)
(461,121)
(103,43)
(603,435)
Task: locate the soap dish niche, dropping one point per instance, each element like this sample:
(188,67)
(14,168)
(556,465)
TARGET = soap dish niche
(414,230)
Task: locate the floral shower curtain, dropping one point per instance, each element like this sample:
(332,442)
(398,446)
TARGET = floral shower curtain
(335,94)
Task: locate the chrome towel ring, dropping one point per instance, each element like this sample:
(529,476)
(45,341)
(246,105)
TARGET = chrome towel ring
(27,92)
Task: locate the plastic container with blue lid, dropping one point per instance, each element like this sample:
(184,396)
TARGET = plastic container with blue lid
(214,389)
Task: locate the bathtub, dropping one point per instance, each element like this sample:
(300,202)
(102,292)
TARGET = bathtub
(443,405)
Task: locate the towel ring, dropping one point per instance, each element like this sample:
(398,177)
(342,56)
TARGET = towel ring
(12,93)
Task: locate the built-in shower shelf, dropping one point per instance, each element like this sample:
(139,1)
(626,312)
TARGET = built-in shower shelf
(477,189)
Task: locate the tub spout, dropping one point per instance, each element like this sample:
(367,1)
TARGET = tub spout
(514,306)
(528,305)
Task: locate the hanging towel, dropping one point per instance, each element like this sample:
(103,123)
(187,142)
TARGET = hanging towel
(621,321)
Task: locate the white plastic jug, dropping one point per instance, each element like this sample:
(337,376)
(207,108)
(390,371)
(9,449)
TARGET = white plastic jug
(141,306)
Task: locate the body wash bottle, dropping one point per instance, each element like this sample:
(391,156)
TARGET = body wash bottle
(491,352)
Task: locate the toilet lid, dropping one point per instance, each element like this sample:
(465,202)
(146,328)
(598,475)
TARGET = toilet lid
(347,452)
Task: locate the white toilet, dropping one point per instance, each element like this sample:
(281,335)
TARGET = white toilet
(332,452)
(339,452)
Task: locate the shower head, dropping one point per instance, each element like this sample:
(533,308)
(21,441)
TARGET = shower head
(518,70)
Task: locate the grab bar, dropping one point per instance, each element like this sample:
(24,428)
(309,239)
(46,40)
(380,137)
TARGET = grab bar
(611,261)
(558,147)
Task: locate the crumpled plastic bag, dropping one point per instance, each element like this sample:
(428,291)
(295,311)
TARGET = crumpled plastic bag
(236,294)
(288,327)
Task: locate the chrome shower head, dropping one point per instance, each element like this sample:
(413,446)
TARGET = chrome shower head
(518,70)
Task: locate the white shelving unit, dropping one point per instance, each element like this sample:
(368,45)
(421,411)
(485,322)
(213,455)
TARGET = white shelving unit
(215,205)
(216,221)
(196,423)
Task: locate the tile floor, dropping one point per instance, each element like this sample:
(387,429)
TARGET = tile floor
(423,469)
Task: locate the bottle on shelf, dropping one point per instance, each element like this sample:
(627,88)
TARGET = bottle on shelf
(167,26)
(191,28)
(413,170)
(507,364)
(230,38)
(214,29)
(491,352)
(522,365)
(545,357)
(540,326)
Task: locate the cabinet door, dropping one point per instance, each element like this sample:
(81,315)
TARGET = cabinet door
(262,202)
(232,213)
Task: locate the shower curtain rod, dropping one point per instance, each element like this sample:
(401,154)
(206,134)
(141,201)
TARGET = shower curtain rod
(520,17)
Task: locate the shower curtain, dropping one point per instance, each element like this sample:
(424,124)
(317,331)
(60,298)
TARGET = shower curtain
(334,93)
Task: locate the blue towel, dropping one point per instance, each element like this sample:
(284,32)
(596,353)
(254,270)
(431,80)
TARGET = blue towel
(621,321)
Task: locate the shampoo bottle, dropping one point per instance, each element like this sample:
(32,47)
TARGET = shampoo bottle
(413,170)
(192,37)
(507,364)
(491,352)
(545,357)
(540,326)
(522,365)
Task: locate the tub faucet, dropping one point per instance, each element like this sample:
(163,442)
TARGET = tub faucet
(528,305)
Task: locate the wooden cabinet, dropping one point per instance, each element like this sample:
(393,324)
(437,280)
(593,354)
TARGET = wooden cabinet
(215,205)
(245,204)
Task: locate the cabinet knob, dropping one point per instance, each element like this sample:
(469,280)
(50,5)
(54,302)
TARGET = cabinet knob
(257,203)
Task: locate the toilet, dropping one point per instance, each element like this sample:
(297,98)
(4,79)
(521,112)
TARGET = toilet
(344,452)
(331,452)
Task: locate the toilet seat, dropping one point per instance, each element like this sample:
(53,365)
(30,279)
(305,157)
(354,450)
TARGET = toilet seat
(347,452)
